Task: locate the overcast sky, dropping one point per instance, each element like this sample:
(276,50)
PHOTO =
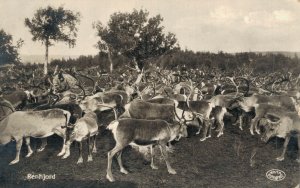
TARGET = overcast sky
(200,25)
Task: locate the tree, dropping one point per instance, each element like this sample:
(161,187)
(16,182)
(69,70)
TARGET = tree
(51,25)
(135,36)
(8,51)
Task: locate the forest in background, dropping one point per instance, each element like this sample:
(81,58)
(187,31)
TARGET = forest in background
(260,63)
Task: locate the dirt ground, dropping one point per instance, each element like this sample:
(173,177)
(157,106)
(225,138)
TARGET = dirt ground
(216,162)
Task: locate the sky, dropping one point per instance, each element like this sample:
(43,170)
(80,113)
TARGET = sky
(199,25)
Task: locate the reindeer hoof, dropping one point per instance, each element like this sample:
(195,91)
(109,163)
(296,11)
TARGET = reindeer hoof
(90,158)
(202,139)
(29,154)
(171,171)
(209,136)
(94,150)
(257,131)
(65,156)
(241,128)
(251,132)
(13,162)
(60,154)
(40,149)
(220,134)
(298,160)
(197,132)
(279,158)
(154,167)
(110,178)
(122,170)
(80,160)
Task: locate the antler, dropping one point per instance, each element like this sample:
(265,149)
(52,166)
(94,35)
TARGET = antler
(236,86)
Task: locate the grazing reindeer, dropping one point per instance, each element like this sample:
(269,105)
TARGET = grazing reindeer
(261,110)
(202,111)
(85,128)
(287,124)
(142,132)
(248,103)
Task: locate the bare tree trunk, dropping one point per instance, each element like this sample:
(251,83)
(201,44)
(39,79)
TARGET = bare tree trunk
(140,71)
(111,68)
(46,58)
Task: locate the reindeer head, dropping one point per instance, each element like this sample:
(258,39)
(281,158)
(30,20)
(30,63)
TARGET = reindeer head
(275,127)
(270,130)
(182,131)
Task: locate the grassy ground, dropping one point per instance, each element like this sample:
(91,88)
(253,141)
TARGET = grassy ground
(216,162)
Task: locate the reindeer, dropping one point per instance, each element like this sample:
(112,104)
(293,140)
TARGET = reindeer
(286,125)
(79,130)
(248,103)
(139,109)
(142,132)
(26,124)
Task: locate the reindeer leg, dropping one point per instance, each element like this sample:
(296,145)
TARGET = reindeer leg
(221,127)
(200,126)
(286,142)
(27,139)
(163,149)
(90,147)
(80,159)
(18,149)
(254,126)
(119,158)
(67,151)
(241,117)
(63,149)
(152,160)
(209,130)
(110,155)
(214,124)
(204,131)
(298,137)
(44,143)
(94,144)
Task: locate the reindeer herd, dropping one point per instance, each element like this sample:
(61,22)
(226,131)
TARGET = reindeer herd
(151,108)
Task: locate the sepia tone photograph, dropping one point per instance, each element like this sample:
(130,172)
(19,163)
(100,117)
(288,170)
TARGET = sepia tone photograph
(150,93)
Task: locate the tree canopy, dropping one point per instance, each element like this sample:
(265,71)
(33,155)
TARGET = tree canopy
(136,36)
(51,25)
(8,51)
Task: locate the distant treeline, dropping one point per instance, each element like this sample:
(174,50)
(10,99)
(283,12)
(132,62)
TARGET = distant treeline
(260,63)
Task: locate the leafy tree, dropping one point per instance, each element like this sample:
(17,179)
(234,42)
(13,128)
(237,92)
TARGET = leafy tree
(8,51)
(136,36)
(51,25)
